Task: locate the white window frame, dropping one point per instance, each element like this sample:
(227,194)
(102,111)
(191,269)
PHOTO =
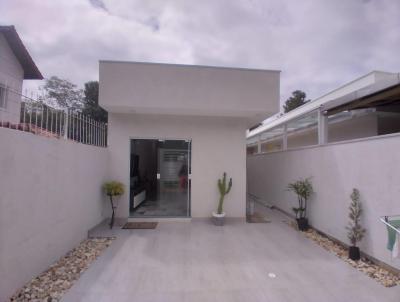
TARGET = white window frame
(3,97)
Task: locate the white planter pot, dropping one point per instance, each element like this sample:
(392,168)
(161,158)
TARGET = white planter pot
(218,219)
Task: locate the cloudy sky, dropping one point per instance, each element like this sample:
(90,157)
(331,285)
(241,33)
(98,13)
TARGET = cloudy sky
(318,45)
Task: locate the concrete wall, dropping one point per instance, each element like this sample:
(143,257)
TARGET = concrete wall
(11,76)
(218,145)
(50,196)
(130,87)
(371,165)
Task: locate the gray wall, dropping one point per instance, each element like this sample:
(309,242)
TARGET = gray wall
(218,145)
(371,165)
(50,197)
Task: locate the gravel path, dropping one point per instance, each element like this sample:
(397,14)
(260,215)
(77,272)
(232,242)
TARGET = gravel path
(380,274)
(54,282)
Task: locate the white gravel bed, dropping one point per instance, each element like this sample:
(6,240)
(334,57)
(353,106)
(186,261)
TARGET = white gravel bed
(373,270)
(54,282)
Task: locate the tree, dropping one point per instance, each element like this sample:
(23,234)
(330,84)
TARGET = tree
(297,99)
(62,94)
(91,102)
(355,230)
(113,189)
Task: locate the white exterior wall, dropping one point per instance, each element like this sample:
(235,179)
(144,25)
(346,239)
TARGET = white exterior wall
(218,145)
(11,75)
(371,165)
(146,88)
(50,196)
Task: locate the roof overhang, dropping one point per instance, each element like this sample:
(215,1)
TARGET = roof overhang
(31,72)
(379,94)
(188,90)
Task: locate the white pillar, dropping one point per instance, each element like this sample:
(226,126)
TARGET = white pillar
(259,144)
(322,128)
(66,116)
(284,145)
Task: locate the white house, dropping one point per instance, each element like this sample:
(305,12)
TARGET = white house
(175,129)
(16,65)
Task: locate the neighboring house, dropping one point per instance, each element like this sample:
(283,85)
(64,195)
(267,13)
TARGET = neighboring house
(175,129)
(16,65)
(365,107)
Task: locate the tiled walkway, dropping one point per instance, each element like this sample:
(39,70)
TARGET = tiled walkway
(197,261)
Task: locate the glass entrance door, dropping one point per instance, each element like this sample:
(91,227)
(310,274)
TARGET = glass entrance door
(159,178)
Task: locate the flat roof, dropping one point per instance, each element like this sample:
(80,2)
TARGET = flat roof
(31,71)
(189,65)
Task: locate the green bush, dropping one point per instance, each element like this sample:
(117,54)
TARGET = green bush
(303,189)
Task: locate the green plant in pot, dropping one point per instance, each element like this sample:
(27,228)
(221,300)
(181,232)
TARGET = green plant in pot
(355,232)
(113,189)
(303,189)
(224,189)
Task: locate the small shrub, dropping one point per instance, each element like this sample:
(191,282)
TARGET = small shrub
(303,189)
(355,232)
(112,189)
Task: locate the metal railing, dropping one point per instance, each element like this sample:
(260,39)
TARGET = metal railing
(253,200)
(23,113)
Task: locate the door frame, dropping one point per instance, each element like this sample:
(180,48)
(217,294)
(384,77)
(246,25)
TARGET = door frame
(189,192)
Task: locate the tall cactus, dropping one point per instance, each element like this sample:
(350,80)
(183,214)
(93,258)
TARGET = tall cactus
(223,190)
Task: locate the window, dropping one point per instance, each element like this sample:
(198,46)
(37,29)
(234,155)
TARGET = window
(3,96)
(272,140)
(303,131)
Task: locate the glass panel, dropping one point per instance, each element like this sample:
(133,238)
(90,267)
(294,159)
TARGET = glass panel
(353,124)
(251,149)
(272,140)
(303,131)
(362,123)
(252,140)
(272,133)
(272,145)
(160,183)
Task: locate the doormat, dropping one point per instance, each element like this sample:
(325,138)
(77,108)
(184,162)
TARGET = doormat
(257,218)
(140,225)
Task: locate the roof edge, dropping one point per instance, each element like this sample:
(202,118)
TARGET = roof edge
(188,65)
(31,71)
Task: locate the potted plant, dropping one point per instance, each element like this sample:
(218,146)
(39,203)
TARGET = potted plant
(113,189)
(355,232)
(303,189)
(219,216)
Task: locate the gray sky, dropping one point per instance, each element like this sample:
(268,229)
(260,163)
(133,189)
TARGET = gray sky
(318,45)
